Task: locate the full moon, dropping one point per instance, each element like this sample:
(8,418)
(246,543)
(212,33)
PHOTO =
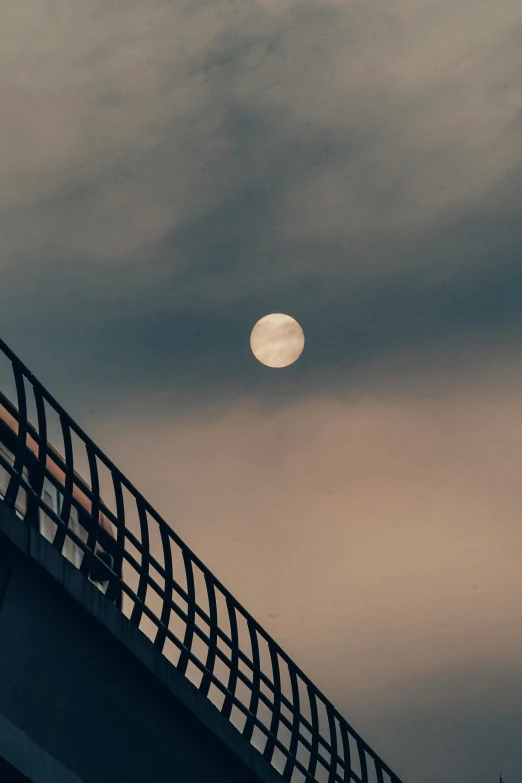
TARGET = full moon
(277,340)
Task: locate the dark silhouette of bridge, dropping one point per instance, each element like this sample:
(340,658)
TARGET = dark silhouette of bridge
(122,658)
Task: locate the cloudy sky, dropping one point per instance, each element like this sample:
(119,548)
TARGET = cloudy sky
(173,171)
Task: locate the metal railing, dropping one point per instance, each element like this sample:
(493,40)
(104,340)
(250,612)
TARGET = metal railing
(167,592)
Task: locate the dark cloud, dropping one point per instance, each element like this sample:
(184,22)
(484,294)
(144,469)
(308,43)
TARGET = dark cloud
(116,329)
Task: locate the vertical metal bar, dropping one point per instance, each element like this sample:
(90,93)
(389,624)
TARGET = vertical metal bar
(234,658)
(65,511)
(256,681)
(213,636)
(362,759)
(137,609)
(19,456)
(38,471)
(168,597)
(114,591)
(191,613)
(312,764)
(94,520)
(296,725)
(332,775)
(347,756)
(276,706)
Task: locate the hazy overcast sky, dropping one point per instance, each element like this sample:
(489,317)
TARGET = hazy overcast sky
(173,171)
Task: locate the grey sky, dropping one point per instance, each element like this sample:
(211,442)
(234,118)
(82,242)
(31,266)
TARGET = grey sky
(171,172)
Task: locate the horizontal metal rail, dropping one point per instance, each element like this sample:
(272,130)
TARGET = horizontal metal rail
(166,591)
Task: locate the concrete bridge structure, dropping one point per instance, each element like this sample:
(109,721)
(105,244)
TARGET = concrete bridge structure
(122,658)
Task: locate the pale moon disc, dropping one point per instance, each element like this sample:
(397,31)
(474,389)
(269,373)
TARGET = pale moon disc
(277,340)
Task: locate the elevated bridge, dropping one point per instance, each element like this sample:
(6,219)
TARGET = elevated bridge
(122,658)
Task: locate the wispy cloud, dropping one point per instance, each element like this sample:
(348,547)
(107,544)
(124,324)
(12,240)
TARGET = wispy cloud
(120,125)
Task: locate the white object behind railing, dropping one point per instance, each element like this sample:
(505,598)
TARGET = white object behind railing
(47,526)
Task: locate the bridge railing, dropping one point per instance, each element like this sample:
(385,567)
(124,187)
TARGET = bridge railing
(165,590)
